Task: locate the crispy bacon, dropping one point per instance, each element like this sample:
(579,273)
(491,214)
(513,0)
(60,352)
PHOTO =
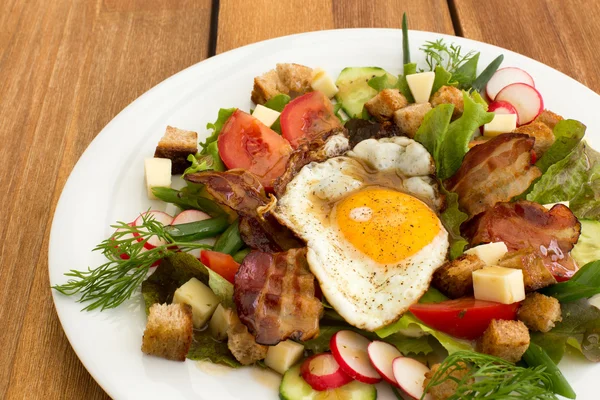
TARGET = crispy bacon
(267,234)
(275,297)
(494,171)
(524,224)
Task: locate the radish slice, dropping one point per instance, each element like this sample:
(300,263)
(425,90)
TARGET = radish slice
(160,217)
(504,77)
(382,356)
(322,372)
(350,351)
(501,107)
(526,99)
(187,216)
(410,375)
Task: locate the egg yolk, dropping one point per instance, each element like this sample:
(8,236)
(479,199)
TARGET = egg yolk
(386,225)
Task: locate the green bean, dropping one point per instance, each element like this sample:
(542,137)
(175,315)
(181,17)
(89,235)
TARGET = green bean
(405,47)
(230,241)
(240,255)
(197,230)
(536,356)
(185,200)
(486,75)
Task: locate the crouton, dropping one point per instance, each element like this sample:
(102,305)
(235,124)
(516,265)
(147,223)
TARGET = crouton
(448,388)
(242,344)
(168,331)
(290,79)
(505,339)
(549,118)
(454,278)
(449,95)
(540,312)
(177,145)
(383,105)
(544,138)
(535,274)
(410,118)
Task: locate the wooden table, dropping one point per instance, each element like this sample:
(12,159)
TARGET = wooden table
(67,67)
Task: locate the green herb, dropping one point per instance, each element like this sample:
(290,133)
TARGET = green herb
(483,78)
(491,378)
(536,358)
(568,133)
(189,198)
(405,46)
(109,285)
(585,283)
(230,242)
(450,57)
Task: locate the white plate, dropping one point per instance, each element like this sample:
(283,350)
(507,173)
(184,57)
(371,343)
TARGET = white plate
(107,185)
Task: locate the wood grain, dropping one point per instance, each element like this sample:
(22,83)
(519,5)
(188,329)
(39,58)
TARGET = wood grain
(561,34)
(66,69)
(241,23)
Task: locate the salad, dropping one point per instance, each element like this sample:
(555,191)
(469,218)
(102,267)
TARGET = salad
(435,231)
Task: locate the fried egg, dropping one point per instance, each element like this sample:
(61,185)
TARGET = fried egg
(369,219)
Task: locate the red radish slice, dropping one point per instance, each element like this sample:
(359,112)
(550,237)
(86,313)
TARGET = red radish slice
(526,99)
(382,356)
(322,372)
(504,77)
(501,107)
(159,216)
(350,351)
(410,375)
(187,216)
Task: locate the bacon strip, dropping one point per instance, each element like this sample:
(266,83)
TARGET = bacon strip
(523,225)
(275,297)
(494,171)
(267,234)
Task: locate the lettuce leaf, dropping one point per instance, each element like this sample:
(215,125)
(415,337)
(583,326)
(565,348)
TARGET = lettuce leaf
(567,133)
(466,74)
(278,103)
(452,218)
(442,78)
(205,347)
(585,283)
(224,114)
(433,130)
(587,202)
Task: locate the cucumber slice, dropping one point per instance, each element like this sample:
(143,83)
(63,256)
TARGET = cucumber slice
(354,90)
(293,387)
(587,248)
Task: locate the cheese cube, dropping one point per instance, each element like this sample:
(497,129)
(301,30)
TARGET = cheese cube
(158,174)
(420,85)
(265,115)
(499,284)
(595,301)
(200,297)
(220,322)
(281,357)
(502,123)
(322,82)
(489,253)
(550,205)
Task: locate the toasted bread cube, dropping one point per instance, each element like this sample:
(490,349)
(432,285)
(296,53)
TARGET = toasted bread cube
(322,82)
(505,339)
(489,253)
(157,172)
(549,118)
(168,331)
(220,322)
(502,285)
(544,138)
(383,106)
(242,344)
(199,296)
(535,274)
(448,387)
(177,145)
(455,278)
(282,356)
(267,86)
(540,312)
(296,78)
(449,95)
(410,118)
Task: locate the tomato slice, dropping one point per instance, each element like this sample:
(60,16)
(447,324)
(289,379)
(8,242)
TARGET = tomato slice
(223,264)
(465,318)
(247,143)
(306,117)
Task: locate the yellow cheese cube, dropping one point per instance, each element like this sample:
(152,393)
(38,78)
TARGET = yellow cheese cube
(281,357)
(158,174)
(322,82)
(265,115)
(200,297)
(220,322)
(502,123)
(489,253)
(499,284)
(420,85)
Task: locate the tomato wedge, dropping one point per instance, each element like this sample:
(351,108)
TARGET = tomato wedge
(247,143)
(465,318)
(306,117)
(223,264)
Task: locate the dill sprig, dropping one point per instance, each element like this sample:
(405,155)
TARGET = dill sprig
(450,57)
(113,282)
(491,378)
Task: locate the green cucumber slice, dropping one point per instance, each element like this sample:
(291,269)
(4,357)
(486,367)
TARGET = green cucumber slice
(354,90)
(587,248)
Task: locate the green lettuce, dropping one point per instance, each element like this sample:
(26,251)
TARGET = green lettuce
(433,130)
(278,103)
(224,114)
(205,347)
(567,133)
(452,218)
(466,74)
(442,78)
(585,283)
(587,248)
(402,84)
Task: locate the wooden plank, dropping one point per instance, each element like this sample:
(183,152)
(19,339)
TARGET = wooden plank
(561,34)
(66,68)
(241,23)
